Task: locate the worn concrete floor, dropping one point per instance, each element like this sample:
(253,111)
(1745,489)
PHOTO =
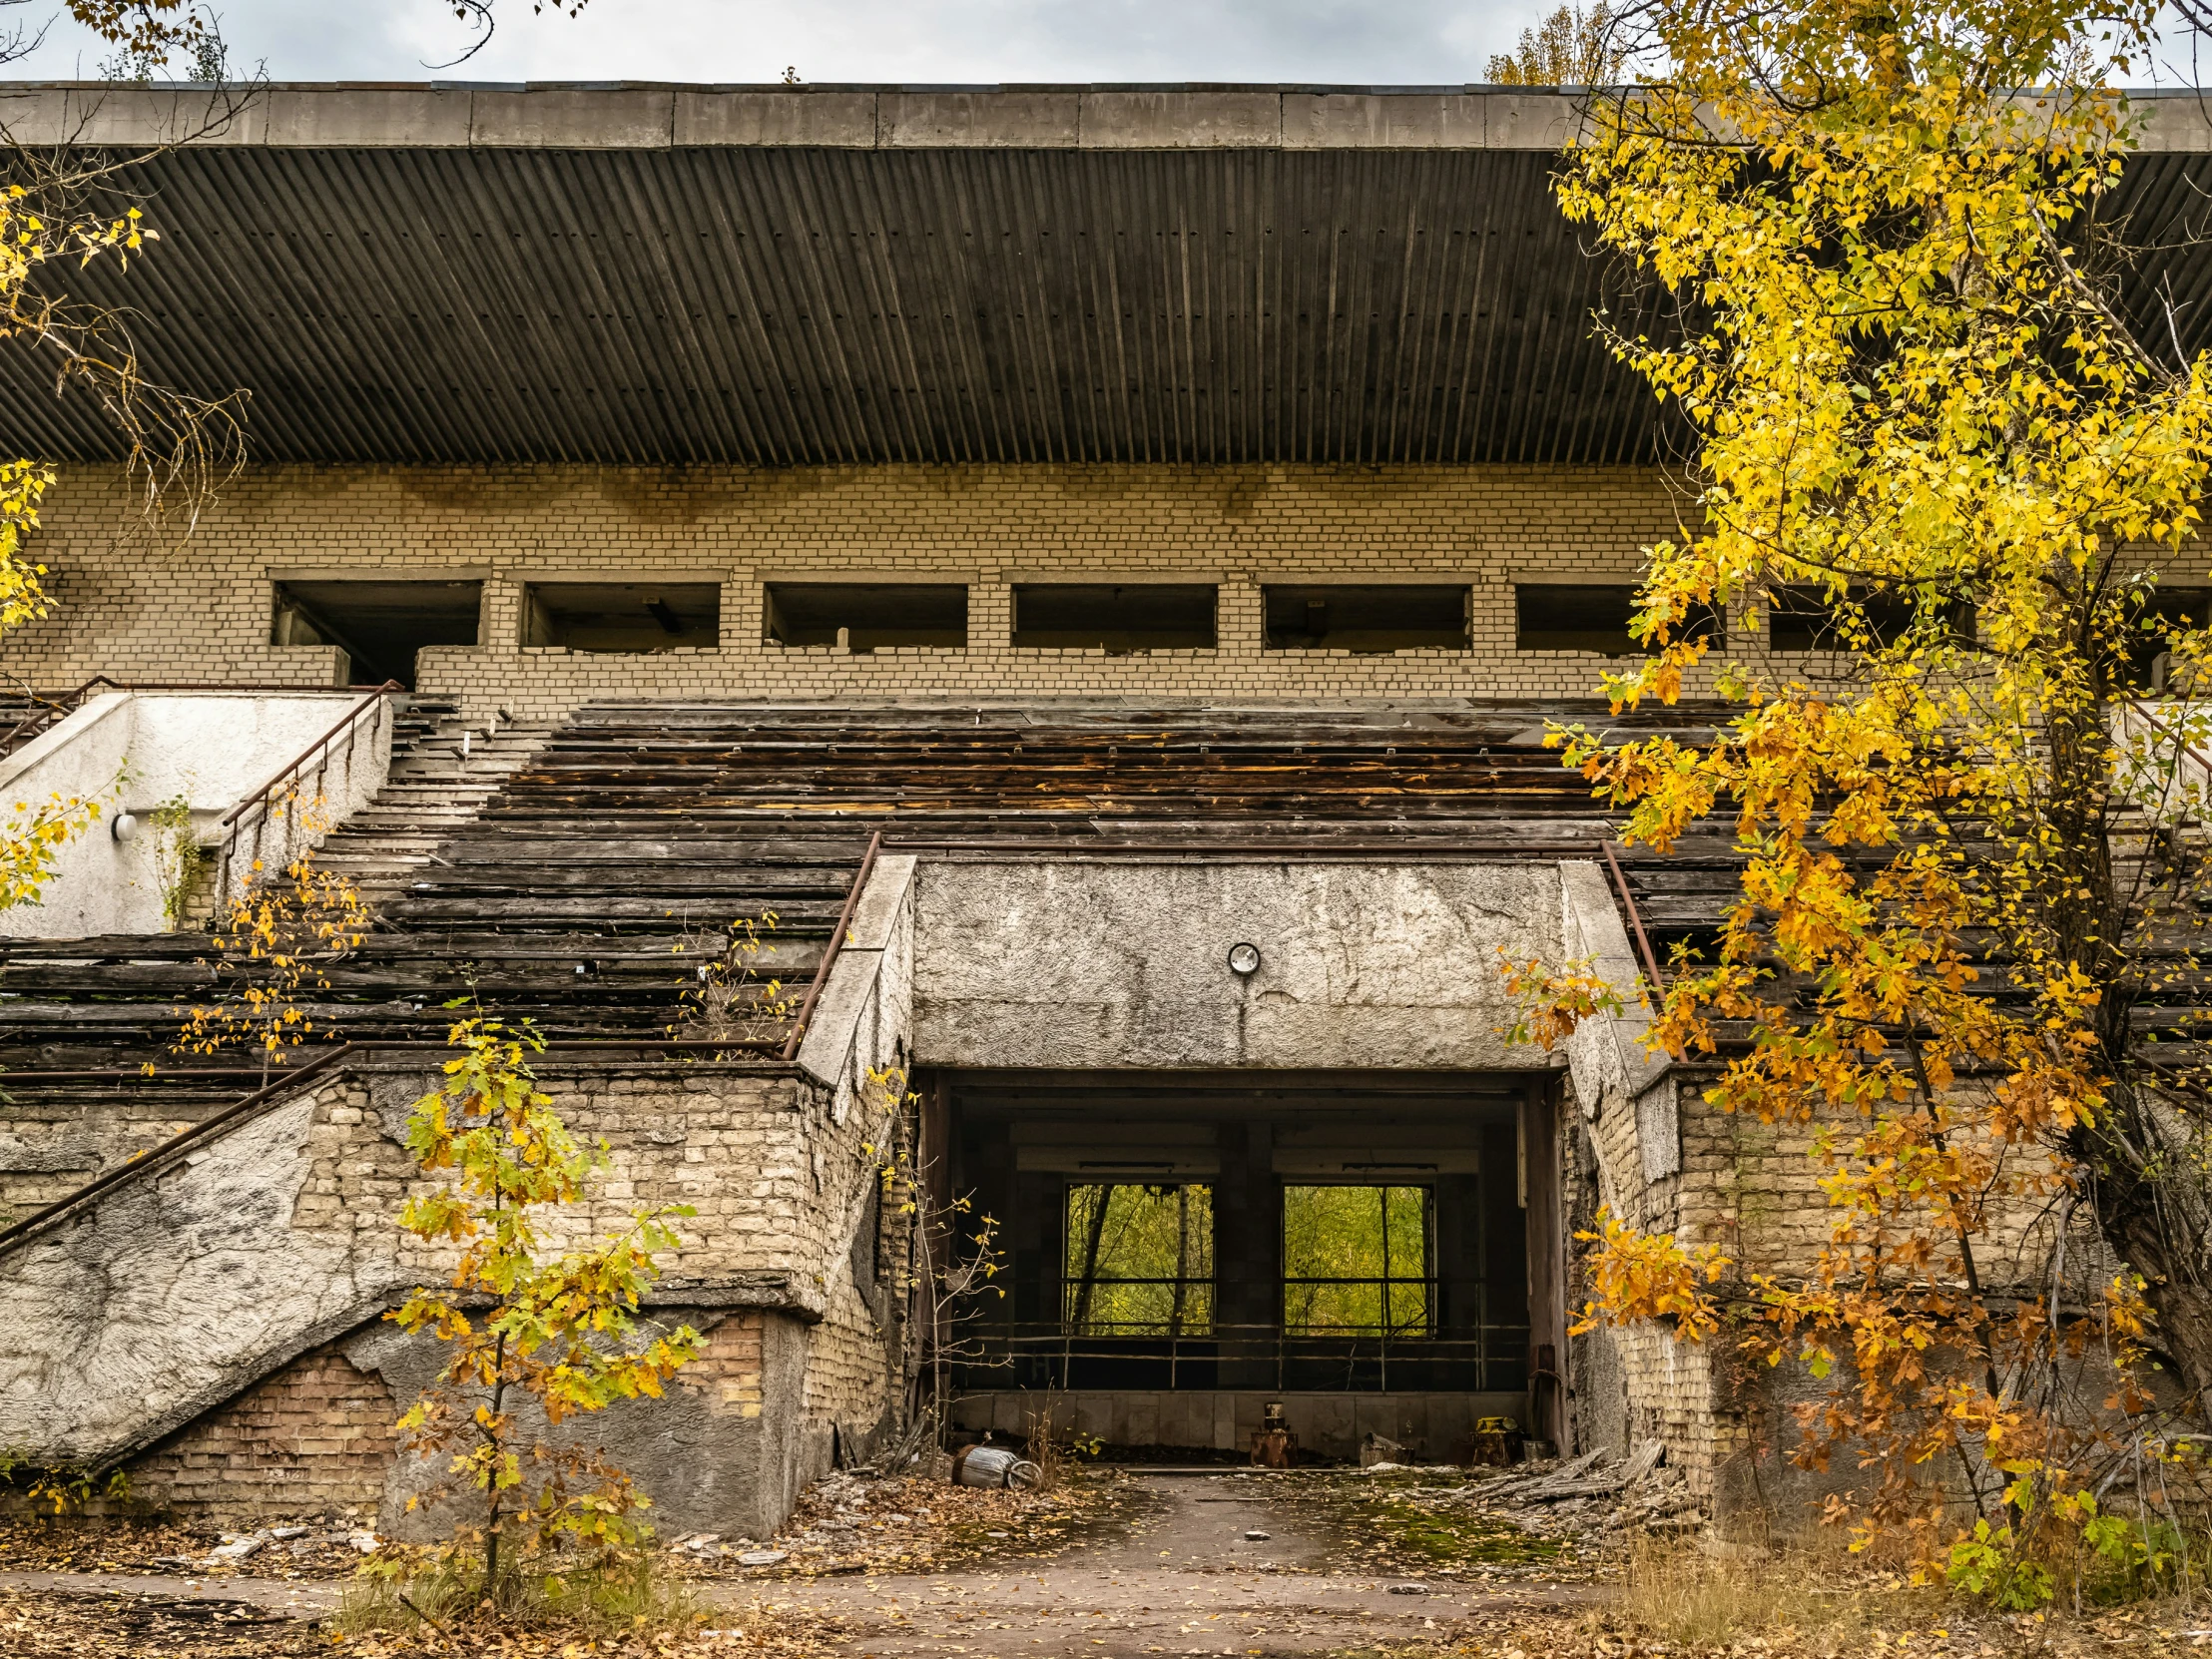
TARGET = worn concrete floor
(1183,1578)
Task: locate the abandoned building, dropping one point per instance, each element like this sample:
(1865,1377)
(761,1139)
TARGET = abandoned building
(1093,565)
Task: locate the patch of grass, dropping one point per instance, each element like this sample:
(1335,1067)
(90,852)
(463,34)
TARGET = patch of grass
(1676,1591)
(1404,1524)
(591,1598)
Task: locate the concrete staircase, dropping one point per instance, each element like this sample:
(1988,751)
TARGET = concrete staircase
(444,773)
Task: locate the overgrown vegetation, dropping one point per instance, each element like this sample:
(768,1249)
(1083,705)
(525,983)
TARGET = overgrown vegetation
(535,1520)
(726,997)
(605,1596)
(57,1488)
(1880,286)
(178,858)
(1678,1592)
(274,947)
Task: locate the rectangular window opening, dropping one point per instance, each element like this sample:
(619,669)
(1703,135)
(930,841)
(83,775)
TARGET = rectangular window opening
(2147,656)
(1139,1261)
(867,616)
(623,616)
(378,625)
(1571,616)
(1356,1261)
(1343,617)
(1805,619)
(1117,617)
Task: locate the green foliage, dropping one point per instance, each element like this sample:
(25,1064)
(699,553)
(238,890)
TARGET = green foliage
(1987,1562)
(557,1329)
(177,857)
(59,1488)
(1355,1260)
(1140,1259)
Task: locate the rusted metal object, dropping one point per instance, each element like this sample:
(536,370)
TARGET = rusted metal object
(994,1465)
(836,943)
(1635,919)
(256,806)
(1273,1447)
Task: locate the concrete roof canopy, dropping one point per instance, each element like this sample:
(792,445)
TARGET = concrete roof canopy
(770,275)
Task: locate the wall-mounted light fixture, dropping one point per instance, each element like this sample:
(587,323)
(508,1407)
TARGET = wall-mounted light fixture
(124,826)
(1244,960)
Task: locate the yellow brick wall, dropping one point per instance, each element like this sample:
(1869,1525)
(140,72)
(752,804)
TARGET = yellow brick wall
(154,608)
(312,1438)
(727,1368)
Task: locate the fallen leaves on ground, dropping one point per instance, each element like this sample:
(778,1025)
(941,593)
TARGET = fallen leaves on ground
(49,1624)
(33,1543)
(856,1522)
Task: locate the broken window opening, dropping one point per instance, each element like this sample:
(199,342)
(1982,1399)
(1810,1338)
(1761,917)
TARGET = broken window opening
(1117,619)
(378,625)
(1572,616)
(1808,618)
(1345,616)
(1139,1261)
(866,616)
(623,616)
(2146,654)
(1356,1261)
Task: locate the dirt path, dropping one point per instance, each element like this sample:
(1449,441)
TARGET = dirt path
(1186,1575)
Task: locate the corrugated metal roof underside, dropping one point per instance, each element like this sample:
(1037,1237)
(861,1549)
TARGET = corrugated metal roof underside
(792,305)
(787,305)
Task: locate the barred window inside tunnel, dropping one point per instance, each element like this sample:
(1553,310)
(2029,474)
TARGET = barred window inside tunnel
(1140,1261)
(1356,1261)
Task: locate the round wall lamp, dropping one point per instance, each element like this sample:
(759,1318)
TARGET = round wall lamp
(1244,960)
(124,826)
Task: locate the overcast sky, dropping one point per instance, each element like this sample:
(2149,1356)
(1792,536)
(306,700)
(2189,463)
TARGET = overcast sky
(1401,42)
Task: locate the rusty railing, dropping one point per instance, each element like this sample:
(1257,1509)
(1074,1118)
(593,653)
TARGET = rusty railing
(256,809)
(836,943)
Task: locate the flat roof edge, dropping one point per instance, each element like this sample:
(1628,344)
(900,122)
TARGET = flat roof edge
(639,114)
(436,115)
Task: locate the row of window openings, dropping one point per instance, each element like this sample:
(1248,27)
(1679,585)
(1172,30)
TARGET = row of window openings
(1139,1261)
(381,625)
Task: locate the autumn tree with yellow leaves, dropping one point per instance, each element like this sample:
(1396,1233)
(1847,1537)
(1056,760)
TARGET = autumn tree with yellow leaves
(1569,47)
(62,209)
(1870,263)
(534,1336)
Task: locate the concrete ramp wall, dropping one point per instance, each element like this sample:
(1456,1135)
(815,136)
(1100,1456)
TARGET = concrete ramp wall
(134,752)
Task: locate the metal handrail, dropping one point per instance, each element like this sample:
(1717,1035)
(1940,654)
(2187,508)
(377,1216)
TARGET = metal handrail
(68,702)
(2180,742)
(232,822)
(1635,918)
(836,943)
(59,706)
(240,1110)
(1411,846)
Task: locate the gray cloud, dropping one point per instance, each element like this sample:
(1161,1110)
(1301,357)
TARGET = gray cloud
(1410,42)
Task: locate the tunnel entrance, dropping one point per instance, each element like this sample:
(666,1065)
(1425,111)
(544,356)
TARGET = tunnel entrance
(1177,1252)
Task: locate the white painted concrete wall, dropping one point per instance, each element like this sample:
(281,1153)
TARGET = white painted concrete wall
(135,751)
(1124,963)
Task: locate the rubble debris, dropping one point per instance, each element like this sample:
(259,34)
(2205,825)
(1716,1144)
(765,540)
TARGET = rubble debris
(1586,1498)
(1377,1448)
